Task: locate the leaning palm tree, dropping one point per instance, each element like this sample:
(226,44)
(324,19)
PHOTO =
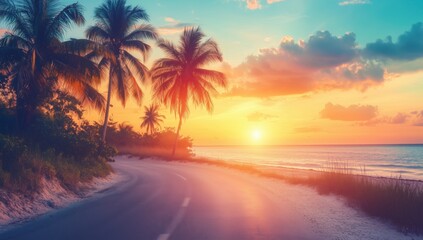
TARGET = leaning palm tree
(116,30)
(180,77)
(151,119)
(38,61)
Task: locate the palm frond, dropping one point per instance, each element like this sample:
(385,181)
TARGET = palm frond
(12,40)
(81,46)
(74,66)
(97,33)
(140,69)
(180,77)
(15,17)
(142,31)
(71,14)
(134,14)
(133,86)
(9,56)
(213,76)
(170,50)
(85,93)
(190,42)
(138,46)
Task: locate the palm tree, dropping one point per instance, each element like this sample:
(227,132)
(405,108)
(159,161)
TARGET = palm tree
(116,30)
(38,61)
(152,119)
(181,76)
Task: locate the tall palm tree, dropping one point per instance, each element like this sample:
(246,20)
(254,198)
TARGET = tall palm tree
(152,119)
(180,77)
(37,59)
(117,31)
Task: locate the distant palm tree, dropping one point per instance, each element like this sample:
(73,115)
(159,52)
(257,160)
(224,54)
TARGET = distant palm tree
(152,119)
(180,77)
(38,60)
(116,31)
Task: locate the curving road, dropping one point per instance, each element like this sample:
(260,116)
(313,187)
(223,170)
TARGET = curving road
(162,200)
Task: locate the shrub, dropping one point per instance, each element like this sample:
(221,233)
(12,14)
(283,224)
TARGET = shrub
(58,144)
(159,144)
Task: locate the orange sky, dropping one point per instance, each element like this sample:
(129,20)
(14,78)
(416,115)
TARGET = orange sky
(299,119)
(302,72)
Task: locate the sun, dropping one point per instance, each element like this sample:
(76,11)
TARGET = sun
(256,135)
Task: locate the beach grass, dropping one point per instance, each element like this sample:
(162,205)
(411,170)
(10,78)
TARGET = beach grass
(396,200)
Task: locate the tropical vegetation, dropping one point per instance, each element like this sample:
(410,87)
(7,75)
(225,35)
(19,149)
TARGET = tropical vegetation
(152,119)
(180,77)
(118,32)
(45,83)
(37,61)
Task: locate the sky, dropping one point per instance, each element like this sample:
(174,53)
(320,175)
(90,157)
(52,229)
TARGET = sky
(299,71)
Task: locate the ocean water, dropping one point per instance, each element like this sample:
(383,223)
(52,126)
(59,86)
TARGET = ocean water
(405,161)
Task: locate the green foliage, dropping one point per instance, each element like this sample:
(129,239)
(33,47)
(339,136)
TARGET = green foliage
(35,61)
(55,146)
(123,136)
(58,130)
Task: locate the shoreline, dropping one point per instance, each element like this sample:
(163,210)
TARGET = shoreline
(275,167)
(17,209)
(285,170)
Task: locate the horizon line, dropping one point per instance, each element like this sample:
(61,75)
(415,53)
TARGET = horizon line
(309,145)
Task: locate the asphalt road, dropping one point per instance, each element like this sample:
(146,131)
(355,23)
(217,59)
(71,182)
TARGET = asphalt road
(162,200)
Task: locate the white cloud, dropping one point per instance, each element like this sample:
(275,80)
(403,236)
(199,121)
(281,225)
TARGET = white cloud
(173,27)
(170,20)
(354,2)
(274,1)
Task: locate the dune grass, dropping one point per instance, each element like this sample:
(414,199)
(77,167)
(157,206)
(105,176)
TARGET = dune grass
(24,172)
(396,200)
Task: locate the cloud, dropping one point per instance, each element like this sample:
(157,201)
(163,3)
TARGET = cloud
(322,49)
(326,62)
(409,46)
(354,113)
(256,4)
(274,1)
(259,116)
(173,27)
(353,2)
(418,118)
(253,4)
(323,62)
(400,118)
(170,20)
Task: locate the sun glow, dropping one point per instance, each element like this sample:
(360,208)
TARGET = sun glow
(256,135)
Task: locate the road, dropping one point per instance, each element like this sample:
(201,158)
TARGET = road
(162,200)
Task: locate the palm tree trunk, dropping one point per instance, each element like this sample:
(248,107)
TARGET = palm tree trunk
(177,136)
(106,117)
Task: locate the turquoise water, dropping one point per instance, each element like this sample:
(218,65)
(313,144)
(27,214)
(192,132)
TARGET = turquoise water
(404,161)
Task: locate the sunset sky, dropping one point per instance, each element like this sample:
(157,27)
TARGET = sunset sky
(300,71)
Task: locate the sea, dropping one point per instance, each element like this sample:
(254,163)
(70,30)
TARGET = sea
(399,161)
